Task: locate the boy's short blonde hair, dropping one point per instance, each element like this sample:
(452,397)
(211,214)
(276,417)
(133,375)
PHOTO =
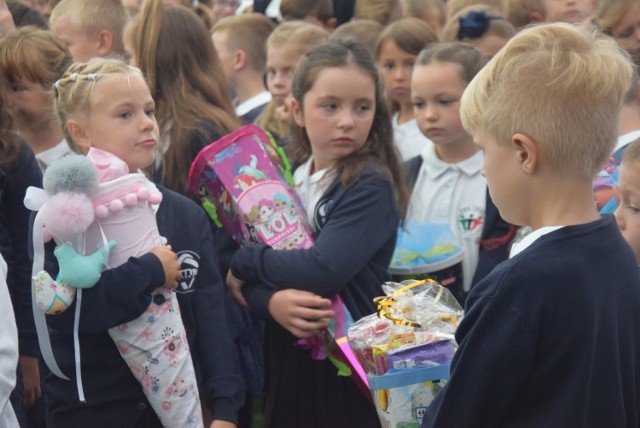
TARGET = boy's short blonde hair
(248,32)
(557,84)
(93,16)
(300,34)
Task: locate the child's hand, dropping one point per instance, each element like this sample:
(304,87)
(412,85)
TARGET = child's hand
(301,312)
(170,265)
(284,112)
(235,288)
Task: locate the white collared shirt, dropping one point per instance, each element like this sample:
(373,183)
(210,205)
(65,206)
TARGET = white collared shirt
(454,194)
(408,138)
(625,139)
(253,102)
(310,188)
(525,242)
(47,157)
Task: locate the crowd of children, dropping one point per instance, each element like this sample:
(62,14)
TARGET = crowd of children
(489,117)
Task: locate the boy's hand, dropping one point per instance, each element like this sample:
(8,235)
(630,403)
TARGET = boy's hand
(170,264)
(235,288)
(302,313)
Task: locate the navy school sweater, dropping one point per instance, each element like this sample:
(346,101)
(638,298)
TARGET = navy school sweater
(122,294)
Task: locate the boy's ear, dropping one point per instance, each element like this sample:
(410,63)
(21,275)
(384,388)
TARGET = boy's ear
(526,152)
(78,133)
(296,109)
(240,59)
(105,42)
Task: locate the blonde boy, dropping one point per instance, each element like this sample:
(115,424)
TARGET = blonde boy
(551,337)
(241,45)
(90,28)
(628,212)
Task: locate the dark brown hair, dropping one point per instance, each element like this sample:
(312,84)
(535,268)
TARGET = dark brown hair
(379,148)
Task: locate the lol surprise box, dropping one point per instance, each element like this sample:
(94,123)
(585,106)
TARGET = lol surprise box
(244,182)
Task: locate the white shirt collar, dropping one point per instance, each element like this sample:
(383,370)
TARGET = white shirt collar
(436,167)
(46,157)
(532,237)
(625,139)
(253,102)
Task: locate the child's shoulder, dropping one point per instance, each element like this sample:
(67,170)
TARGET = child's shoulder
(375,173)
(176,202)
(575,256)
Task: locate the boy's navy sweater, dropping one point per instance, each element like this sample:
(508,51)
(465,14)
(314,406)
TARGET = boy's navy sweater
(123,294)
(550,338)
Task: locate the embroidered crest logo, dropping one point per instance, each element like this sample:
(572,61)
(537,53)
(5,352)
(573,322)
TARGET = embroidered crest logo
(189,264)
(322,209)
(471,219)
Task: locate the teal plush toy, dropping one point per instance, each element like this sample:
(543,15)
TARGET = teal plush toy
(81,271)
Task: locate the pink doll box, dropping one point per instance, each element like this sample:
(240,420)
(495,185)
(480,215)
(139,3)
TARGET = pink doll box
(243,180)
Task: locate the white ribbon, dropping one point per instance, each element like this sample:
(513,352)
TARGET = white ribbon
(38,315)
(35,198)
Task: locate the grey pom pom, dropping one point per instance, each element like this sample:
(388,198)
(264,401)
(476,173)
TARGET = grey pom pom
(72,173)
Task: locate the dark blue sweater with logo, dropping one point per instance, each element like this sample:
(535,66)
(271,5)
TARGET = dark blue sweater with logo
(550,338)
(123,294)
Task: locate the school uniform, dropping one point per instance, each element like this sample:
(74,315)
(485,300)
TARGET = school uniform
(550,338)
(113,395)
(249,110)
(47,157)
(356,229)
(457,195)
(408,138)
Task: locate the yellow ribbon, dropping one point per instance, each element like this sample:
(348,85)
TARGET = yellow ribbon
(385,303)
